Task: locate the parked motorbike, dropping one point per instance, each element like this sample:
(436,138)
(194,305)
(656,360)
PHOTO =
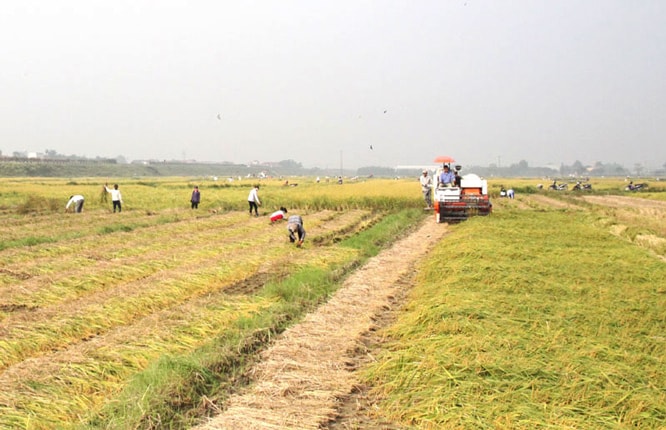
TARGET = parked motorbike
(558,187)
(582,187)
(636,187)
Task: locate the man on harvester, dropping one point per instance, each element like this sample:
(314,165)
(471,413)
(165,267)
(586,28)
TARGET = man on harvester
(459,197)
(447,178)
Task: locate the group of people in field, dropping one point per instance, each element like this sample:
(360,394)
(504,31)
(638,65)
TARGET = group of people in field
(294,222)
(76,201)
(446,178)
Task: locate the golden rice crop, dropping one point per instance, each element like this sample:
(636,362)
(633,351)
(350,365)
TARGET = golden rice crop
(85,382)
(133,298)
(518,327)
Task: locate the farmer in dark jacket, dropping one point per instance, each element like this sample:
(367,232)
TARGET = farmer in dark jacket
(196,198)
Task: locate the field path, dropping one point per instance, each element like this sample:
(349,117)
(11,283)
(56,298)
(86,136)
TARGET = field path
(301,379)
(630,202)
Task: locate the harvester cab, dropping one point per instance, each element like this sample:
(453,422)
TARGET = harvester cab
(466,196)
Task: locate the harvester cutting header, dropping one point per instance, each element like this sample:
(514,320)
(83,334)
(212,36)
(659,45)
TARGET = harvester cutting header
(458,197)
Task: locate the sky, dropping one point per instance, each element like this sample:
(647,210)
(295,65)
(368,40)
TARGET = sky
(345,83)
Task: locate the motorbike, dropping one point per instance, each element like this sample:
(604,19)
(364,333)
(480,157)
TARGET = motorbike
(636,187)
(558,187)
(581,187)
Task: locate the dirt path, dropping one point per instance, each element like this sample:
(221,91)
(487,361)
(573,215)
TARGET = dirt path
(303,380)
(626,202)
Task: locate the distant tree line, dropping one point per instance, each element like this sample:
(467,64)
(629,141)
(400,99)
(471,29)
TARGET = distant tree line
(17,165)
(577,169)
(51,155)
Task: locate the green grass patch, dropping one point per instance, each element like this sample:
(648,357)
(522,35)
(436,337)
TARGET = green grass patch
(26,241)
(389,228)
(115,228)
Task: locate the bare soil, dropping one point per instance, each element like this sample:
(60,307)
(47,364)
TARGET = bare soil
(307,379)
(631,202)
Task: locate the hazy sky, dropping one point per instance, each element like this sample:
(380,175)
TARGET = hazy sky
(319,82)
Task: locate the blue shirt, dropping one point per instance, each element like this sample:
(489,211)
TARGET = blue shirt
(447,177)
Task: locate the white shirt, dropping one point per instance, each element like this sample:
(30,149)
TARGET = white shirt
(115,194)
(426,181)
(74,199)
(253,196)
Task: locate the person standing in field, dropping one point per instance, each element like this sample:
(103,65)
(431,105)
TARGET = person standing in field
(426,188)
(278,215)
(295,227)
(196,198)
(76,200)
(116,197)
(253,200)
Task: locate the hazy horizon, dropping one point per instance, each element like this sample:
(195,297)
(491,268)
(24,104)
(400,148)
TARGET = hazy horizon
(362,83)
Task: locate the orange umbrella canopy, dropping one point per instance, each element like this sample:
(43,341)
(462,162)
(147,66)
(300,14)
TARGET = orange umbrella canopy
(444,159)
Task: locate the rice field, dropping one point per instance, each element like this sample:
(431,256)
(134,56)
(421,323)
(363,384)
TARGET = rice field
(547,314)
(544,315)
(94,303)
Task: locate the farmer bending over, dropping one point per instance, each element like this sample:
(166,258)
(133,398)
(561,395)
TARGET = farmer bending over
(295,226)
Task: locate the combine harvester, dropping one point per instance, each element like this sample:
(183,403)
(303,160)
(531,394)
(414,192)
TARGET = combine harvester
(467,197)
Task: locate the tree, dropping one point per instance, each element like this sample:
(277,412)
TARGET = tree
(578,168)
(290,164)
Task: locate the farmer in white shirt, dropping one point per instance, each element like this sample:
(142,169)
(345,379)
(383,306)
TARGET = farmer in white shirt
(253,200)
(76,200)
(116,198)
(426,188)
